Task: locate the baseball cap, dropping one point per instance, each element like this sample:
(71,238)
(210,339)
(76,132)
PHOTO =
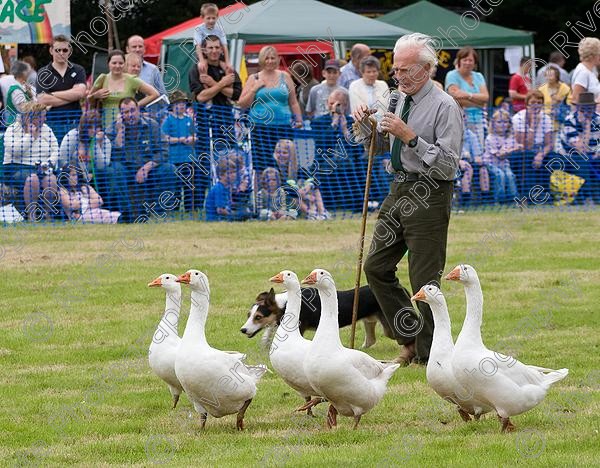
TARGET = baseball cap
(332,63)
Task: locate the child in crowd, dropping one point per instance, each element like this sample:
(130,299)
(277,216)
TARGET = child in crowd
(178,129)
(499,145)
(310,201)
(228,199)
(210,27)
(80,202)
(218,200)
(472,160)
(271,200)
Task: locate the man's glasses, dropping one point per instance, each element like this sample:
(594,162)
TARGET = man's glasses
(62,51)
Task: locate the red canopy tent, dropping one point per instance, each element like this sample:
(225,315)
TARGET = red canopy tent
(153,43)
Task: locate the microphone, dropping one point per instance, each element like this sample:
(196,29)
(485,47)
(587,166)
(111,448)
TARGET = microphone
(393,103)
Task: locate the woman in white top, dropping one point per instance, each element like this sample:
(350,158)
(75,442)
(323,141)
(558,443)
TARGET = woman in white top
(585,75)
(534,132)
(369,90)
(30,154)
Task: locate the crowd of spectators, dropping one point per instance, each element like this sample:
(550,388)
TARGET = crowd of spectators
(278,147)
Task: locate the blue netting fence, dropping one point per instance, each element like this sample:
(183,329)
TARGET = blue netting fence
(213,163)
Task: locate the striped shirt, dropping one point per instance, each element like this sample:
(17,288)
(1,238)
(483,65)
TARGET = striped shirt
(573,128)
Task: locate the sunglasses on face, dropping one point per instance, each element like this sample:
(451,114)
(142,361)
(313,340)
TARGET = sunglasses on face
(61,51)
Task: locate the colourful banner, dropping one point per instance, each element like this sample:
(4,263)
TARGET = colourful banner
(34,21)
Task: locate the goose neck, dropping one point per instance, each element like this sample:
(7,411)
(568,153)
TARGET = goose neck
(170,318)
(196,324)
(328,323)
(292,309)
(473,318)
(442,334)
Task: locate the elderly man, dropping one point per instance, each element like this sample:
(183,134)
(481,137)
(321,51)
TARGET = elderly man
(149,73)
(351,71)
(425,135)
(142,154)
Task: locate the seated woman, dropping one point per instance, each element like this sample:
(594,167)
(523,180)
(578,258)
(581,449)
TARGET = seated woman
(272,202)
(80,202)
(473,167)
(310,202)
(30,154)
(533,129)
(500,143)
(90,150)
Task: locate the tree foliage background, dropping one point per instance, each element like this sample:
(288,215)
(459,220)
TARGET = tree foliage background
(147,17)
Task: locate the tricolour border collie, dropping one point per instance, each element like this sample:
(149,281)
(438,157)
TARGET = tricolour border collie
(269,308)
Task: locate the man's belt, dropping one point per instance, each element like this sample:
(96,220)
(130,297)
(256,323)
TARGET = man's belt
(401,177)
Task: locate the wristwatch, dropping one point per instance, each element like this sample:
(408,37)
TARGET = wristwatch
(412,143)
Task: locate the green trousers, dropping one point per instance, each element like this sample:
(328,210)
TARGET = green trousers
(413,218)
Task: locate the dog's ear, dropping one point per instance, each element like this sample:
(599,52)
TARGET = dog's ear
(270,297)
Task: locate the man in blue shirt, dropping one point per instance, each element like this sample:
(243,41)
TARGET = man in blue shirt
(149,73)
(351,71)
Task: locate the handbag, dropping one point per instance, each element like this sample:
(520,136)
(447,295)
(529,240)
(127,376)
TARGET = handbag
(564,187)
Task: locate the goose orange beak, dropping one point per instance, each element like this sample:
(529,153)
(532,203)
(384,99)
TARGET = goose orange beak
(185,278)
(310,279)
(454,275)
(278,278)
(420,296)
(156,283)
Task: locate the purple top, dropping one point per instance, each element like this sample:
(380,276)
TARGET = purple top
(499,144)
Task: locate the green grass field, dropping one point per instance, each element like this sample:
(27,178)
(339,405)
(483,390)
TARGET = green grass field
(77,318)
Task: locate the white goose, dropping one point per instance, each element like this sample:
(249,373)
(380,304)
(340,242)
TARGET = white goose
(217,382)
(289,347)
(439,368)
(351,380)
(165,340)
(503,382)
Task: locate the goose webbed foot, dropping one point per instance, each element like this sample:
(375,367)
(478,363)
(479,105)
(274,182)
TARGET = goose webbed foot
(203,418)
(507,426)
(331,419)
(310,403)
(240,415)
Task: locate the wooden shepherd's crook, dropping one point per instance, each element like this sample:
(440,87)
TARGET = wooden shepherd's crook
(362,230)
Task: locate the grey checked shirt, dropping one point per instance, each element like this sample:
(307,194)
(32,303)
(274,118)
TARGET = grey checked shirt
(437,120)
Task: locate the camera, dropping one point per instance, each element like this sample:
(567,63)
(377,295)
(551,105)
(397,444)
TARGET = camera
(338,108)
(44,168)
